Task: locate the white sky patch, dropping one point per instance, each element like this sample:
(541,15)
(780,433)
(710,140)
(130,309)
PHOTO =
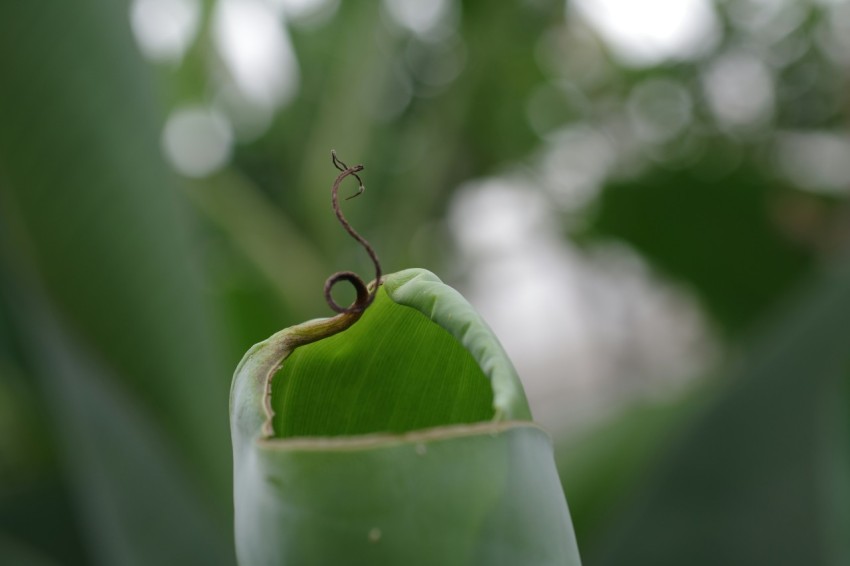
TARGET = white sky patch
(740,90)
(587,332)
(164,29)
(816,161)
(496,218)
(197,141)
(256,49)
(434,19)
(648,32)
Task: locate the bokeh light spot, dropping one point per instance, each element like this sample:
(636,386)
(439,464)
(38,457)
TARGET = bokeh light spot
(428,20)
(164,29)
(652,31)
(257,51)
(816,161)
(740,90)
(197,141)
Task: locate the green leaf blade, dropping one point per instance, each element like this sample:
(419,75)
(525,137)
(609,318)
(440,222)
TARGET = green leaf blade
(457,483)
(387,373)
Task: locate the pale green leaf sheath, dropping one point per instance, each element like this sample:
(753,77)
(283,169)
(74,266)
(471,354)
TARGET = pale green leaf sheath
(405,438)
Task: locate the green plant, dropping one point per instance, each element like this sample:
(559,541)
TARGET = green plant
(396,432)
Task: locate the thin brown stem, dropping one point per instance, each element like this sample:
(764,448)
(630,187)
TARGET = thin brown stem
(364,297)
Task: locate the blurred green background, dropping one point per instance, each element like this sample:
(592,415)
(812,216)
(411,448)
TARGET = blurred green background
(648,201)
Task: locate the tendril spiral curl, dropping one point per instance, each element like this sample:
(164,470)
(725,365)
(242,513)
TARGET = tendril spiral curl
(364,297)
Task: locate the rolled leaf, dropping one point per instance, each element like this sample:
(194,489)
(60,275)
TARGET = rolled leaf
(399,435)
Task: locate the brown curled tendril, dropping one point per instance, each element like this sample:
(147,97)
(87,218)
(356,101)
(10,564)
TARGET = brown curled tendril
(364,297)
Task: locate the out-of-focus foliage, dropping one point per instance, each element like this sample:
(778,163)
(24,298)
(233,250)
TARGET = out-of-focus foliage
(128,293)
(727,243)
(763,471)
(109,326)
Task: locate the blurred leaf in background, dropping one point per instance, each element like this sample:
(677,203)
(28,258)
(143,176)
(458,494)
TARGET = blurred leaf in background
(109,322)
(647,201)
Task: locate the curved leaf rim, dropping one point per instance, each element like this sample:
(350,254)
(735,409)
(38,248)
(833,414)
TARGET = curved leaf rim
(251,411)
